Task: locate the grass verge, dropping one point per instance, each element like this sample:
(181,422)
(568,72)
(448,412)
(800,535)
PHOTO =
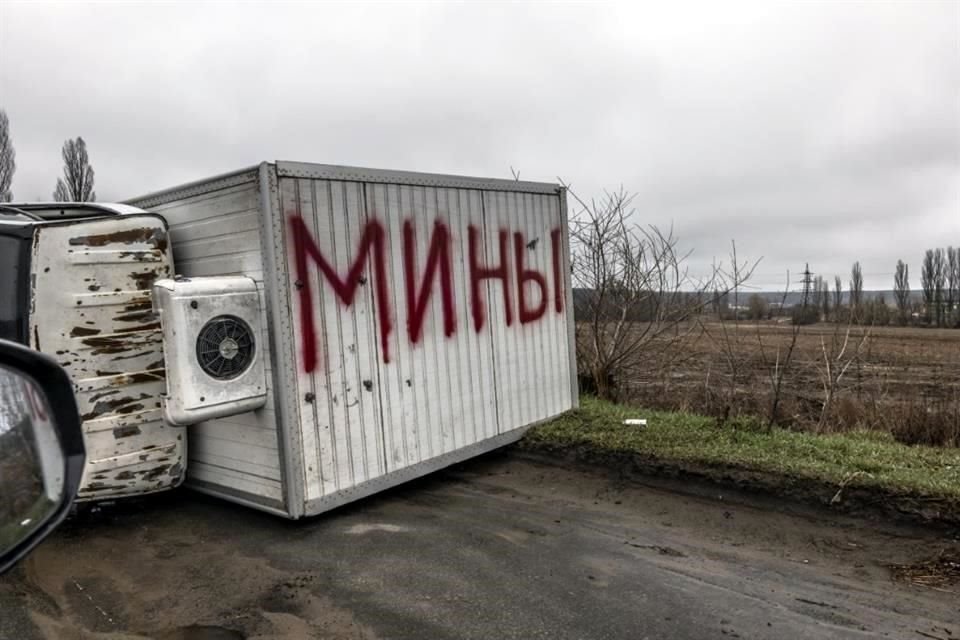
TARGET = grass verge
(847,471)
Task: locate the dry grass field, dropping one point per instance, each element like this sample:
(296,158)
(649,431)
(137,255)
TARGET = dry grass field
(901,380)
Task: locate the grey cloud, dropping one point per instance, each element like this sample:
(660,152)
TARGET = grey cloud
(809,132)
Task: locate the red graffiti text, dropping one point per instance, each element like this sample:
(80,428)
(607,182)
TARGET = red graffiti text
(435,275)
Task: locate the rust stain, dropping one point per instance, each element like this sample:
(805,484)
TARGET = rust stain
(150,375)
(156,472)
(143,280)
(101,486)
(140,305)
(150,326)
(106,344)
(131,407)
(145,376)
(124,405)
(78,332)
(139,256)
(104,394)
(143,350)
(124,475)
(126,432)
(139,316)
(148,235)
(155,365)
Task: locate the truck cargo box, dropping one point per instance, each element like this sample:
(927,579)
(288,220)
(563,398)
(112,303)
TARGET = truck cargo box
(406,321)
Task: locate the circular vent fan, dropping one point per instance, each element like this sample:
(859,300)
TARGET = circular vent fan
(225,347)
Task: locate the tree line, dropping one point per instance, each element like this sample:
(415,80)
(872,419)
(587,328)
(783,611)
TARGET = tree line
(76,185)
(939,305)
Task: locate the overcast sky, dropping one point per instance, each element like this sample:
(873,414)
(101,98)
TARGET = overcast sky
(809,132)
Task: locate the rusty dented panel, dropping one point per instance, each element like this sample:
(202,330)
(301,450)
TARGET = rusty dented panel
(155,237)
(92,309)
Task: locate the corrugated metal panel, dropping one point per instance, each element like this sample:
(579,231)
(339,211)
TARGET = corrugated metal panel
(437,389)
(384,397)
(340,408)
(92,311)
(215,230)
(531,355)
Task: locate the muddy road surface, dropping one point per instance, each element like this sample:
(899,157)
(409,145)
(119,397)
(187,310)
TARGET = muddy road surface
(501,547)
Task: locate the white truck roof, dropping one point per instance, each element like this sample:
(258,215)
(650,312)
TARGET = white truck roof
(58,210)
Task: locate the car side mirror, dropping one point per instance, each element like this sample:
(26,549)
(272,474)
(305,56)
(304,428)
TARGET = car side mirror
(41,449)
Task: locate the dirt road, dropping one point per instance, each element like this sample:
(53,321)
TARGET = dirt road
(497,548)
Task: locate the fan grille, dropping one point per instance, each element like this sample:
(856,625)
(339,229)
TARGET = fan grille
(225,347)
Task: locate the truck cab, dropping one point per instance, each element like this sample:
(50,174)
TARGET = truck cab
(75,283)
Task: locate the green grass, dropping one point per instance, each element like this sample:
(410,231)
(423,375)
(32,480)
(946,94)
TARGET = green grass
(857,459)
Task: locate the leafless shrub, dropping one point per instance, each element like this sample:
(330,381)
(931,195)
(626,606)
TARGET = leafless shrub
(933,422)
(729,338)
(777,364)
(839,355)
(635,298)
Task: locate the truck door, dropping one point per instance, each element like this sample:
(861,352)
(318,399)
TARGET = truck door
(91,308)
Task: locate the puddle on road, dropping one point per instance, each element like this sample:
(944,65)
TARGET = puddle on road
(201,632)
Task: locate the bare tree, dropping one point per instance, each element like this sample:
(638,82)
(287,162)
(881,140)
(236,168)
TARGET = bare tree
(77,182)
(758,307)
(816,300)
(8,158)
(825,298)
(729,339)
(939,284)
(856,291)
(837,296)
(927,278)
(956,275)
(838,356)
(953,282)
(634,301)
(782,358)
(901,290)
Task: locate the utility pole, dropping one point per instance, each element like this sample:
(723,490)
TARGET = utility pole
(807,283)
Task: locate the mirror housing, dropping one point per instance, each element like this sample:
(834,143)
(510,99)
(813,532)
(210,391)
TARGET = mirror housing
(41,449)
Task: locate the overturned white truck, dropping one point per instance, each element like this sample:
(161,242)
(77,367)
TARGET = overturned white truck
(295,336)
